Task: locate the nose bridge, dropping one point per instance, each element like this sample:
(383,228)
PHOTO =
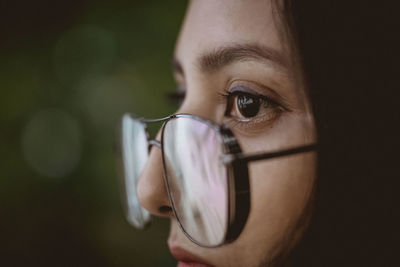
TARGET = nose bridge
(202,100)
(197,108)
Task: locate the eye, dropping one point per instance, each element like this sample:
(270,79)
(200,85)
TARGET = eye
(244,104)
(247,105)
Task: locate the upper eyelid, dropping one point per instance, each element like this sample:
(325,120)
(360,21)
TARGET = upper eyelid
(246,90)
(230,96)
(272,96)
(270,93)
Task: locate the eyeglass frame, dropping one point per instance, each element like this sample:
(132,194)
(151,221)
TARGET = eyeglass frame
(237,174)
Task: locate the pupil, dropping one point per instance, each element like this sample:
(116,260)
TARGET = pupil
(248,106)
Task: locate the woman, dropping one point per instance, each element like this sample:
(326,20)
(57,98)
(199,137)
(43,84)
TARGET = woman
(250,65)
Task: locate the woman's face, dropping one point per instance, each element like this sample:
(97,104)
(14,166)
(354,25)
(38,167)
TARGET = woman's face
(235,67)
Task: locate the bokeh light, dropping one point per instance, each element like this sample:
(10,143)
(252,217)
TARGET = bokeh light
(68,71)
(51,142)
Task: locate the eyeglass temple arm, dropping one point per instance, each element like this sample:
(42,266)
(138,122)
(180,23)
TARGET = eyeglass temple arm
(229,158)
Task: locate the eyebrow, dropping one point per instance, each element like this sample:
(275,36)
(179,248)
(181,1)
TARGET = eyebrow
(216,59)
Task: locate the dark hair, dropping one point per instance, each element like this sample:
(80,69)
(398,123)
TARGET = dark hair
(350,58)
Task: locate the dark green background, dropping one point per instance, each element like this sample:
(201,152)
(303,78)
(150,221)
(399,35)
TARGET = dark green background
(68,71)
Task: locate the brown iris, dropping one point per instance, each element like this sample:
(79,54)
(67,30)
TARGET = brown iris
(248,105)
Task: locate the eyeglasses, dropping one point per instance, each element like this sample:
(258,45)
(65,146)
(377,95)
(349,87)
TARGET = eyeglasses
(205,172)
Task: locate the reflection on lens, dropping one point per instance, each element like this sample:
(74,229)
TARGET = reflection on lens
(197,179)
(134,155)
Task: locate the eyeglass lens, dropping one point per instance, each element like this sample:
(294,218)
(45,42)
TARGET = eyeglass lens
(134,149)
(197,179)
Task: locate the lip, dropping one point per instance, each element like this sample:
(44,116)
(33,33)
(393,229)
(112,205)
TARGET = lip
(185,259)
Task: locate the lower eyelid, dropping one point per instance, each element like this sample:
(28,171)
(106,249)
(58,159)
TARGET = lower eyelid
(255,124)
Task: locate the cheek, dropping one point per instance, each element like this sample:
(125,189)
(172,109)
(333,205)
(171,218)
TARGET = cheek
(281,189)
(291,130)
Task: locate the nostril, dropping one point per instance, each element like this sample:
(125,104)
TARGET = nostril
(165,209)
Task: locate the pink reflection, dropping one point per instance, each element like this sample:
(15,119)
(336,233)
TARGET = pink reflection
(195,149)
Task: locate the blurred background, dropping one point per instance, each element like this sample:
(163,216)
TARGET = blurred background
(68,71)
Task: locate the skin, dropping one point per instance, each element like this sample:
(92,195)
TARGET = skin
(282,188)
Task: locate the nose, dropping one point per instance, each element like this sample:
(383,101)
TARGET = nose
(151,188)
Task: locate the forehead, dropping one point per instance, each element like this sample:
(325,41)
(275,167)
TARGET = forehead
(210,24)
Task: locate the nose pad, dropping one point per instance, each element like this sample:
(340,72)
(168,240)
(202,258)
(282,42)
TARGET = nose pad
(151,188)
